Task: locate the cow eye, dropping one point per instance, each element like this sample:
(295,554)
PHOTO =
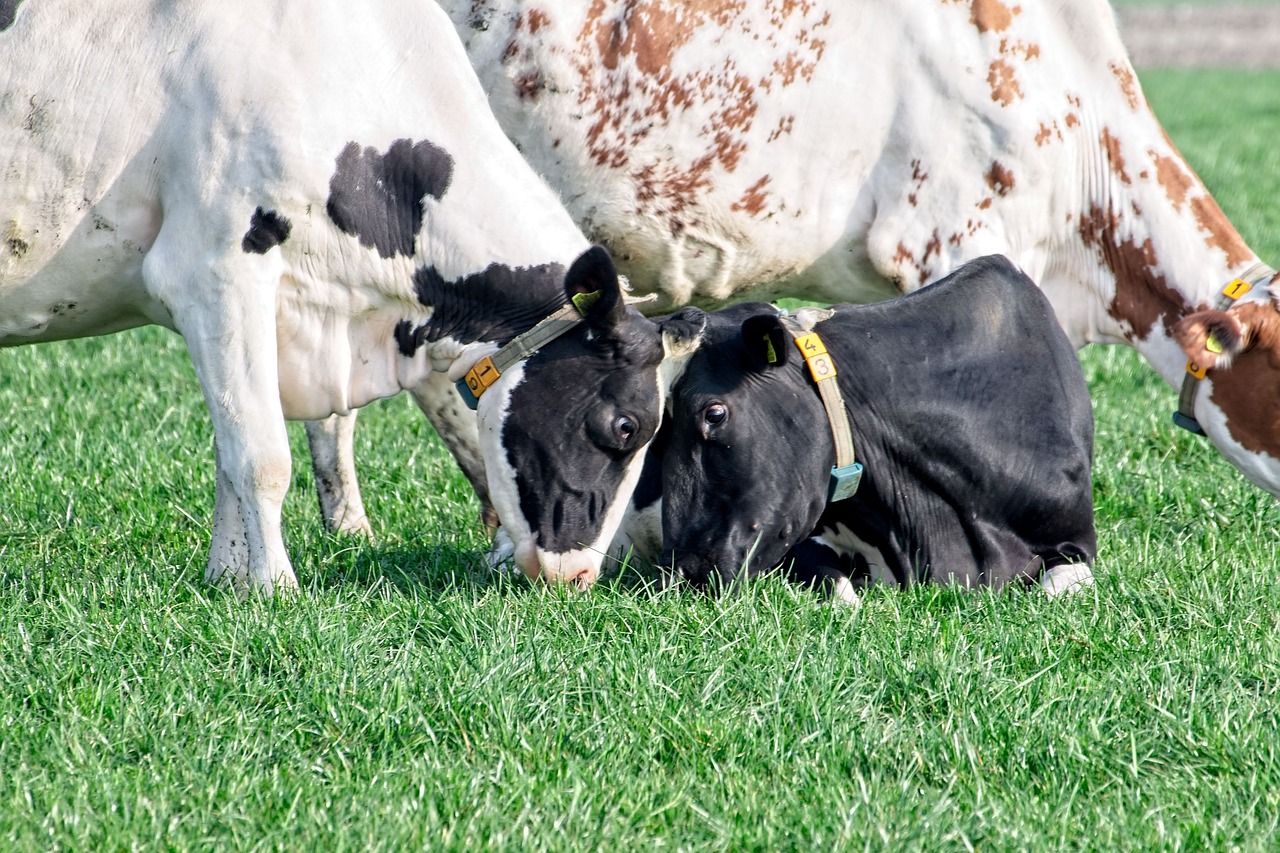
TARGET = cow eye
(626,428)
(715,414)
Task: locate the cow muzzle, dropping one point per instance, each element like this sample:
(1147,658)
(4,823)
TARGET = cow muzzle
(576,569)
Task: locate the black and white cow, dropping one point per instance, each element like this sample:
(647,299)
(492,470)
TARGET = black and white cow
(315,195)
(968,412)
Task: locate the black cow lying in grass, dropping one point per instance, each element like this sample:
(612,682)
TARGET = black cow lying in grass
(968,412)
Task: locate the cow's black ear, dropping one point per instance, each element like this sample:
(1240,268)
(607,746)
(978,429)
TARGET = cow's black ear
(682,331)
(592,285)
(766,340)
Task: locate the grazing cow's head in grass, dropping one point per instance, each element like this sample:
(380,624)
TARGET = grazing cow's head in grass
(563,430)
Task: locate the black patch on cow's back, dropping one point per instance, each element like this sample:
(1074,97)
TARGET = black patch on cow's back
(494,305)
(267,229)
(8,13)
(378,197)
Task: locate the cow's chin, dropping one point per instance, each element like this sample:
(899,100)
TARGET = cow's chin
(578,569)
(718,570)
(1260,468)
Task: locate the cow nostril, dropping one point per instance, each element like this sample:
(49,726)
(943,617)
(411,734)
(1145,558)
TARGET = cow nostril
(583,579)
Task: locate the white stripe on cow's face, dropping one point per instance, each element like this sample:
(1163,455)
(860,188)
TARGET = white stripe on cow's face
(503,493)
(581,566)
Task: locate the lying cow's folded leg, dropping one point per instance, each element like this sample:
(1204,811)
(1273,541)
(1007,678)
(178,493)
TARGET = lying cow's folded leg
(818,566)
(332,445)
(1068,578)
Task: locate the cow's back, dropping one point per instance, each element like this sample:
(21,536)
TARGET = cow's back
(974,423)
(835,151)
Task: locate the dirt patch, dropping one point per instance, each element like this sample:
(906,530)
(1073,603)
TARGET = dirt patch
(1246,35)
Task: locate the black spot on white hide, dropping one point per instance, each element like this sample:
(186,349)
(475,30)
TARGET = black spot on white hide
(377,198)
(267,229)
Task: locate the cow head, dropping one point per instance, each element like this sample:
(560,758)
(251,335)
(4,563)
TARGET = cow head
(1240,407)
(563,431)
(748,458)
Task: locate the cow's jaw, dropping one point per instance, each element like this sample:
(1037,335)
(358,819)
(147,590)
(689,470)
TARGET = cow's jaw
(1260,468)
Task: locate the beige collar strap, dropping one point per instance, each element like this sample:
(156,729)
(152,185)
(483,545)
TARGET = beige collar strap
(846,474)
(487,370)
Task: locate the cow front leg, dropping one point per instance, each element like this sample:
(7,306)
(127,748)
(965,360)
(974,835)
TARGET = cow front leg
(333,463)
(1066,579)
(224,308)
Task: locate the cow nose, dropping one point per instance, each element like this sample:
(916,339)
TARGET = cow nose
(553,568)
(583,579)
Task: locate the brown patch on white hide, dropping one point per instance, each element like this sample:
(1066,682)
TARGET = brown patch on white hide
(1111,147)
(991,15)
(1143,295)
(1005,88)
(1183,187)
(629,90)
(999,179)
(1123,73)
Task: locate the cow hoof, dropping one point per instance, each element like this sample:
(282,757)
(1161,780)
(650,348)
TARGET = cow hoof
(501,556)
(356,525)
(1066,579)
(243,584)
(845,595)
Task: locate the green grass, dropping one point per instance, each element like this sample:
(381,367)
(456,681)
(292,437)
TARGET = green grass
(408,699)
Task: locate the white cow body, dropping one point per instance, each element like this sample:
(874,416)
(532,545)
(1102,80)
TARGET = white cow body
(844,151)
(146,145)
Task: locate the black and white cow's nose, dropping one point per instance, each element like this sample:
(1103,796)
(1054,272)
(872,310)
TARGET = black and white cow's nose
(575,569)
(694,569)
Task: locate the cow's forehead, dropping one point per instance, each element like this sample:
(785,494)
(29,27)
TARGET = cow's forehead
(585,366)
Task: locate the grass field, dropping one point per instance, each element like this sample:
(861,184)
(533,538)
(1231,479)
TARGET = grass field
(408,699)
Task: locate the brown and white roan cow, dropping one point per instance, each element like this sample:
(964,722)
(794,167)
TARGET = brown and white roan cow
(313,193)
(842,151)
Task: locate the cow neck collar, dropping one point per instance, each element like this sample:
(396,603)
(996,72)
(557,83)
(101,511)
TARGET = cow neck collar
(486,371)
(846,474)
(1235,289)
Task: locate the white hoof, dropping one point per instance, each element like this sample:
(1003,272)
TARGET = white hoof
(1069,578)
(845,594)
(244,583)
(355,523)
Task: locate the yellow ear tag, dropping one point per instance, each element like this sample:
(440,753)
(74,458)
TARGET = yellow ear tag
(584,301)
(770,353)
(1213,345)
